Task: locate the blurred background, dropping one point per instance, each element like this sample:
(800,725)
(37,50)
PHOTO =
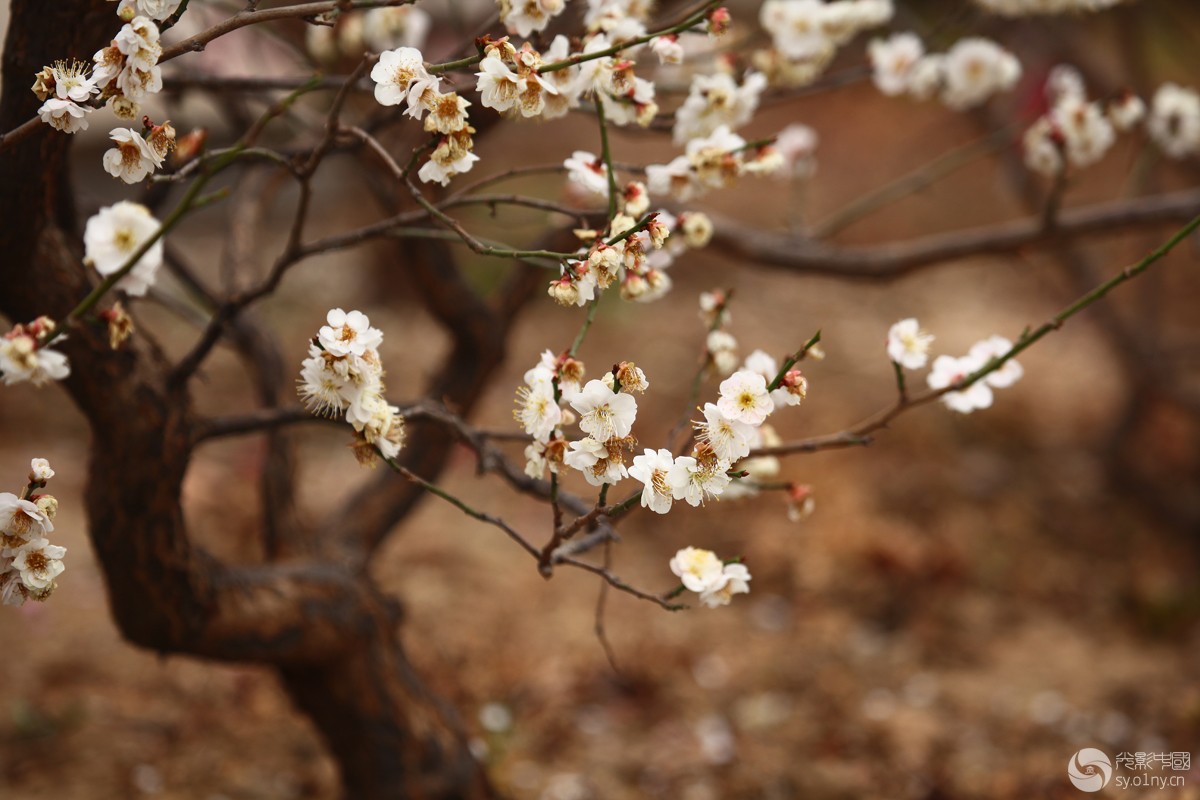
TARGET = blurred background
(974,599)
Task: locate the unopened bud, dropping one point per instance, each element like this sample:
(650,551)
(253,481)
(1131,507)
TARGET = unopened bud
(564,292)
(719,20)
(126,13)
(47,504)
(189,145)
(801,502)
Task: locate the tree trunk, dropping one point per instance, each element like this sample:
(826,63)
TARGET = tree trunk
(330,634)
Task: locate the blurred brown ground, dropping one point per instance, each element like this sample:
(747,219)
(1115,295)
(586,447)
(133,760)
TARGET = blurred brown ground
(975,598)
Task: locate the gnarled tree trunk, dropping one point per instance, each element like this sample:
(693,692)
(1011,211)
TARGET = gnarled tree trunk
(318,620)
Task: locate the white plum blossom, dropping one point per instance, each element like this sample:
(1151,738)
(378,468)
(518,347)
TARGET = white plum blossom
(730,439)
(38,563)
(602,413)
(600,462)
(1174,121)
(975,69)
(498,86)
(70,82)
(114,235)
(716,100)
(587,171)
(668,49)
(797,144)
(537,411)
(138,50)
(948,370)
(133,158)
(348,333)
(22,359)
(653,469)
(64,115)
(158,10)
(451,157)
(908,345)
(722,349)
(523,17)
(892,61)
(998,347)
(1126,111)
(698,570)
(744,397)
(1086,131)
(399,72)
(735,580)
(697,479)
(20,521)
(394,27)
(39,470)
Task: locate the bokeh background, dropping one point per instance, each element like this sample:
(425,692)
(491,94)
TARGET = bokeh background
(974,599)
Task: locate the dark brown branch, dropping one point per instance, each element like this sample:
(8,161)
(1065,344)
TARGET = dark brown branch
(887,261)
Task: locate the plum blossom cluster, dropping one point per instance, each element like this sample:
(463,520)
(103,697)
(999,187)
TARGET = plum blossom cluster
(343,375)
(28,562)
(908,347)
(1076,131)
(509,81)
(401,77)
(121,75)
(524,17)
(528,84)
(377,29)
(634,255)
(806,34)
(965,76)
(716,582)
(23,356)
(1022,8)
(712,162)
(716,100)
(729,430)
(554,397)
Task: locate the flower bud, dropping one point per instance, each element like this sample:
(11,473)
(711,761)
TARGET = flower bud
(801,502)
(47,504)
(564,292)
(697,228)
(719,20)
